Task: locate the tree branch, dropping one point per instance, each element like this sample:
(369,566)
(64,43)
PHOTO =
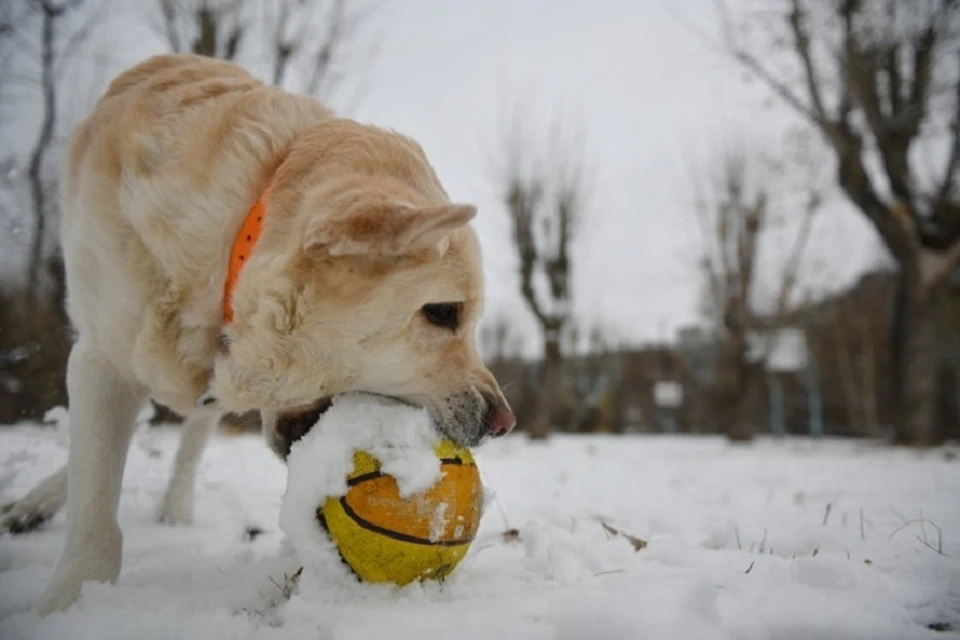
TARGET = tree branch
(945,192)
(801,42)
(791,271)
(49,17)
(891,64)
(80,35)
(323,60)
(924,48)
(168,10)
(523,199)
(283,47)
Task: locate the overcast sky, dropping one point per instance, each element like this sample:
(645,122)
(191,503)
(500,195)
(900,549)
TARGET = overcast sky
(650,98)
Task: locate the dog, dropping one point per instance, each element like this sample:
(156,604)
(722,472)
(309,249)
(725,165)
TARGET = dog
(230,246)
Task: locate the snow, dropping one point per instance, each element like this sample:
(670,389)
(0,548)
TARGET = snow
(401,437)
(776,540)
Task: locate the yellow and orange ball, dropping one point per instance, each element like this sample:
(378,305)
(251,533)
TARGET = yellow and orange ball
(386,537)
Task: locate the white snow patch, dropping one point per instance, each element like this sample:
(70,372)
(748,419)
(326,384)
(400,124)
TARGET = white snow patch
(705,508)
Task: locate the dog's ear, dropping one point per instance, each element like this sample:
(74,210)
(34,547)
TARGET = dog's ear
(386,230)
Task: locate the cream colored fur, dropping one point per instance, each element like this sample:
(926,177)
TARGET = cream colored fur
(358,237)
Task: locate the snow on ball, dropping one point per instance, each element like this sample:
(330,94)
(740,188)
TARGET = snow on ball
(372,477)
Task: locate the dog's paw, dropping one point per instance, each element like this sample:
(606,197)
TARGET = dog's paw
(93,553)
(59,596)
(37,507)
(176,508)
(23,516)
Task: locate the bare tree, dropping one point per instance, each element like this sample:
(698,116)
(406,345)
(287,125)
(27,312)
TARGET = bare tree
(852,338)
(306,46)
(735,208)
(544,188)
(212,28)
(42,47)
(37,39)
(880,81)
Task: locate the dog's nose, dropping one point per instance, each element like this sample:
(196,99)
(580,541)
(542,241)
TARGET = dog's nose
(500,419)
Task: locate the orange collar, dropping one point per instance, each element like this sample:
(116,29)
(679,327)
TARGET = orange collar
(243,246)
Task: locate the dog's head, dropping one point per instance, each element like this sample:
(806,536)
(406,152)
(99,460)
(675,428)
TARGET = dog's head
(367,279)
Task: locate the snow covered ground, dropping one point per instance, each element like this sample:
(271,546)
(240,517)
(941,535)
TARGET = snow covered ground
(777,540)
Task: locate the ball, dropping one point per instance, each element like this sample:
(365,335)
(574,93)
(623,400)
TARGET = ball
(385,537)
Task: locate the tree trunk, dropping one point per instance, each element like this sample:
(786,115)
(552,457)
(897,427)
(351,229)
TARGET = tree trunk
(846,370)
(870,409)
(915,342)
(549,388)
(735,413)
(41,147)
(740,424)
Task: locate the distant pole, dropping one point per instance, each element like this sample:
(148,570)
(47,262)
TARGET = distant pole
(777,426)
(814,402)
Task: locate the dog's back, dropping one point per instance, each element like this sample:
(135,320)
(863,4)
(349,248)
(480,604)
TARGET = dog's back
(189,135)
(156,183)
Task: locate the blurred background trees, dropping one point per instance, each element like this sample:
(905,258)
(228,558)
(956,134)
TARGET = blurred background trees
(741,200)
(544,189)
(879,81)
(874,86)
(55,60)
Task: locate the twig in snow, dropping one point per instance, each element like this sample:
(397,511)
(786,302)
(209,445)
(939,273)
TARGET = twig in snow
(750,568)
(267,612)
(736,532)
(608,572)
(826,513)
(938,548)
(252,532)
(848,554)
(503,514)
(289,583)
(638,543)
(924,540)
(511,535)
(863,536)
(763,543)
(816,550)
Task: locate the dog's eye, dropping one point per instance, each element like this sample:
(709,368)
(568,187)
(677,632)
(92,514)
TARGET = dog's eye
(442,314)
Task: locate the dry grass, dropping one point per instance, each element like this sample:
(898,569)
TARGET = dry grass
(637,543)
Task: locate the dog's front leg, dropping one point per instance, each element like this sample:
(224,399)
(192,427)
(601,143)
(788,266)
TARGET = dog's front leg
(177,505)
(103,408)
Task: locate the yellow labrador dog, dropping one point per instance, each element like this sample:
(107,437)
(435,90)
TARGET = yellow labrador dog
(230,246)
